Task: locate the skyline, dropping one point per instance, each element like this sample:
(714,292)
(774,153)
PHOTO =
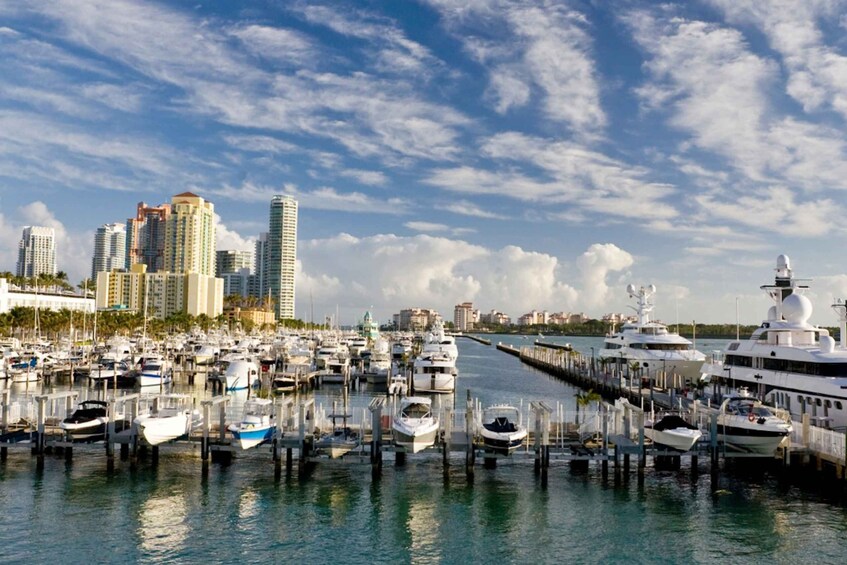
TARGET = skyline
(518,155)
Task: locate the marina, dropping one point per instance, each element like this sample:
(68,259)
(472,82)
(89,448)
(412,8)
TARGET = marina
(176,493)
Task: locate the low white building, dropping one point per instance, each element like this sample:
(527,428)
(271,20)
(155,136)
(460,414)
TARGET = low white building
(11,296)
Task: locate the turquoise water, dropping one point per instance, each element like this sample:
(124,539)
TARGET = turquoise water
(79,512)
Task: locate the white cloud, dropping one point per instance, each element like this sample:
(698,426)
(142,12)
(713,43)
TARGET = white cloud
(427,226)
(595,265)
(323,198)
(438,272)
(228,239)
(542,43)
(718,91)
(372,178)
(468,208)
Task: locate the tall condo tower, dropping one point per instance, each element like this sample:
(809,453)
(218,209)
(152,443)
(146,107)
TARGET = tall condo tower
(190,236)
(281,255)
(109,249)
(232,261)
(36,252)
(145,237)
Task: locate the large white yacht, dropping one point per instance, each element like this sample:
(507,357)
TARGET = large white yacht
(651,344)
(788,362)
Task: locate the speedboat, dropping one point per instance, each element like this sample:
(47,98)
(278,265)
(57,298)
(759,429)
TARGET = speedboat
(788,362)
(650,344)
(174,418)
(670,431)
(341,440)
(87,423)
(415,428)
(501,430)
(256,426)
(747,425)
(241,374)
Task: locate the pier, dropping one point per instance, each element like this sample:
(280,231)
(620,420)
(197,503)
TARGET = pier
(611,436)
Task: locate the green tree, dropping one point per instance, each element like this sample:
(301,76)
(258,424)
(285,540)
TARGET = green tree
(584,400)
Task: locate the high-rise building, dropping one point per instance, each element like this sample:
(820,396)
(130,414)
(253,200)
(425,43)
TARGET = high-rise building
(232,261)
(109,249)
(280,256)
(37,252)
(463,316)
(145,237)
(190,236)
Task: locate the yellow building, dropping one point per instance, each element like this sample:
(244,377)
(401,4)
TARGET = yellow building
(253,315)
(190,236)
(164,293)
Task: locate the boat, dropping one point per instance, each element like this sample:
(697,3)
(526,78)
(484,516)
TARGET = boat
(670,431)
(173,417)
(256,426)
(341,439)
(241,374)
(787,362)
(434,371)
(108,369)
(22,370)
(501,430)
(155,371)
(414,427)
(747,425)
(650,344)
(87,423)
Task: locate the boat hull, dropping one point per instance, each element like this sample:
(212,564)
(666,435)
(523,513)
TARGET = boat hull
(415,438)
(748,440)
(248,439)
(153,379)
(502,443)
(434,382)
(679,439)
(157,430)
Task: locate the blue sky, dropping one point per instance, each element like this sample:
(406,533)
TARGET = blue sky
(517,154)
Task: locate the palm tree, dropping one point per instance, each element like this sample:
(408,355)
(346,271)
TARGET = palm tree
(584,399)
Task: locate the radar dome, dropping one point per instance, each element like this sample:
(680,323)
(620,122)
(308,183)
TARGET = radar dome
(630,288)
(652,289)
(772,313)
(796,308)
(782,262)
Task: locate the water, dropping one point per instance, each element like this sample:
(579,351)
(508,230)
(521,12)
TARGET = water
(79,512)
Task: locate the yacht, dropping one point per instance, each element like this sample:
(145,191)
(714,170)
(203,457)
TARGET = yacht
(414,427)
(155,371)
(240,374)
(651,344)
(747,425)
(787,362)
(501,430)
(434,371)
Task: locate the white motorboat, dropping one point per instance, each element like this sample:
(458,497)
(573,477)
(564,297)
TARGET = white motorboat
(22,370)
(501,430)
(414,426)
(108,369)
(651,344)
(241,374)
(87,423)
(434,371)
(788,362)
(670,431)
(173,417)
(747,425)
(256,426)
(341,439)
(155,371)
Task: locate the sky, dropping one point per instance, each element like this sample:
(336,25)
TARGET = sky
(517,154)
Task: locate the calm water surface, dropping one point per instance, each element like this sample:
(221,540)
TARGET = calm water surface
(78,512)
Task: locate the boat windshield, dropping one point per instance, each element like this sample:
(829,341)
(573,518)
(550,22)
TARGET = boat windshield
(416,411)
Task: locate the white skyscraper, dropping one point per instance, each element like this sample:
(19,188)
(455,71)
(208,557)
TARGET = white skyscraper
(109,249)
(281,256)
(36,252)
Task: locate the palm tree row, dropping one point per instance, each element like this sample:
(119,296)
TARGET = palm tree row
(56,283)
